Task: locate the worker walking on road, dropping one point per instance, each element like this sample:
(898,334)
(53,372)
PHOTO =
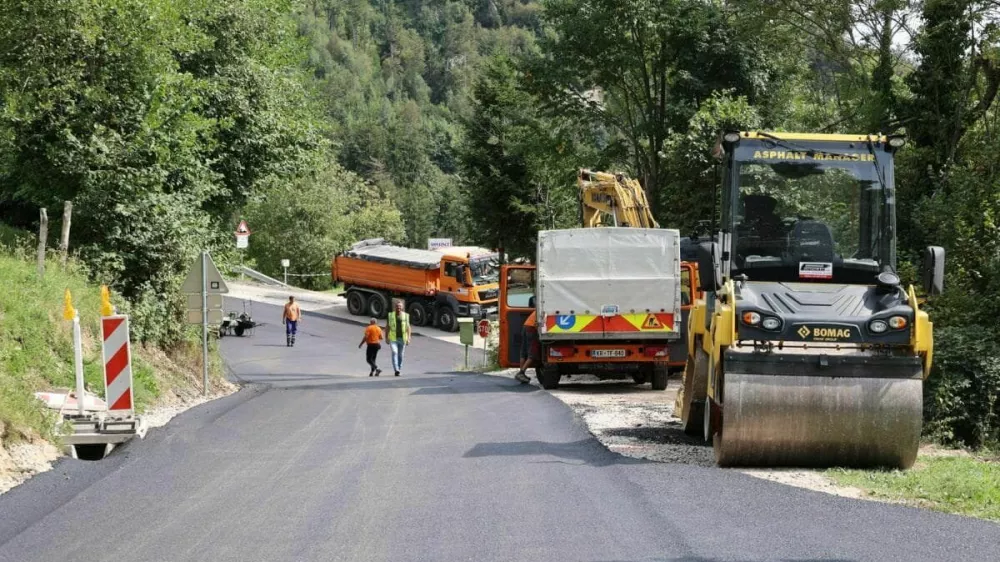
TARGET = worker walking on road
(372,337)
(529,348)
(398,328)
(290,318)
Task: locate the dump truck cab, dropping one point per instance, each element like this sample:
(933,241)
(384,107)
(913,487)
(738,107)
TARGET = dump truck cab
(807,349)
(471,276)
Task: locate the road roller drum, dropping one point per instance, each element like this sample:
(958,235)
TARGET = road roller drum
(819,421)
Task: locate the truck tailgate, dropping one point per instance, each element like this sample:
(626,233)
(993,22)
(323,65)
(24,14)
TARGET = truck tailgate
(609,283)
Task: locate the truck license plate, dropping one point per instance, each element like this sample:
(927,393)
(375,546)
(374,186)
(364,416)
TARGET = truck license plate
(607,353)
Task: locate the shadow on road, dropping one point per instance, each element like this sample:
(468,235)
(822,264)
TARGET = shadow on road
(477,389)
(585,451)
(422,385)
(670,434)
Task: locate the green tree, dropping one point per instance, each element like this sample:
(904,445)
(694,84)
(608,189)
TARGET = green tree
(642,68)
(314,215)
(518,167)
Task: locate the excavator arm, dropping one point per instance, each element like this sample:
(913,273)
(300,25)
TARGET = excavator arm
(616,196)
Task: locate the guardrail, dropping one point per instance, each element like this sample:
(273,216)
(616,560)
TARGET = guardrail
(254,274)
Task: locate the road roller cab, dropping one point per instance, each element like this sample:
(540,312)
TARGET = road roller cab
(807,350)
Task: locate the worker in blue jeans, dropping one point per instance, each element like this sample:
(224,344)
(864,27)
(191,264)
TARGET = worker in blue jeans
(290,317)
(397,327)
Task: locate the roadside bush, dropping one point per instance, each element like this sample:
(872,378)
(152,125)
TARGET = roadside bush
(962,395)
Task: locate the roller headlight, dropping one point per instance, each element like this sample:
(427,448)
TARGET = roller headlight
(878,326)
(897,322)
(771,323)
(751,318)
(731,137)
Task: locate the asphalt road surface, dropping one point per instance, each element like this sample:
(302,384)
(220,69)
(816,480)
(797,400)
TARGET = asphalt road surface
(313,460)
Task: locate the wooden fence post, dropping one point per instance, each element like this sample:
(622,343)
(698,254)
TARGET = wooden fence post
(43,234)
(64,240)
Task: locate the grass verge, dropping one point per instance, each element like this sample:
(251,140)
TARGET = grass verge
(36,350)
(961,484)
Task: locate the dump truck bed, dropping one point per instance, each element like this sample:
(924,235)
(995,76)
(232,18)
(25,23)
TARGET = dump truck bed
(609,284)
(381,266)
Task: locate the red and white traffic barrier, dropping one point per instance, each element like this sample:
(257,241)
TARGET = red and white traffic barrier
(117,363)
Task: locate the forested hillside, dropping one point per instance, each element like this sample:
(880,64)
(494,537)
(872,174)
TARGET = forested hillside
(325,121)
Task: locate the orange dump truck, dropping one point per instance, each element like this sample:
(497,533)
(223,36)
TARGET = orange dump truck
(438,286)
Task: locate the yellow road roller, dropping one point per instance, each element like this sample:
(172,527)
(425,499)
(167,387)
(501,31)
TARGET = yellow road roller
(806,349)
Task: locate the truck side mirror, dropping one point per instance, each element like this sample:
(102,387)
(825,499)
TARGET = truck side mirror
(933,270)
(708,270)
(531,301)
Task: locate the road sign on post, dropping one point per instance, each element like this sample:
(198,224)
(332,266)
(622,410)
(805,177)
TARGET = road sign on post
(204,279)
(484,328)
(435,243)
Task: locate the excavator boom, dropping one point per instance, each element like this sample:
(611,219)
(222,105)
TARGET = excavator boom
(615,196)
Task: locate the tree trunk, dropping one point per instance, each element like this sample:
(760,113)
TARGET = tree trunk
(64,239)
(43,234)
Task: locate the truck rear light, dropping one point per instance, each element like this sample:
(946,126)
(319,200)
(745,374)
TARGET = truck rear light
(562,351)
(655,351)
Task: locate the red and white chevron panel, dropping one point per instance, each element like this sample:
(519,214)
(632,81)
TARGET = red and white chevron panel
(117,363)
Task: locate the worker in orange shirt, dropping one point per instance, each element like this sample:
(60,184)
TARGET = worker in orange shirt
(529,348)
(372,337)
(290,318)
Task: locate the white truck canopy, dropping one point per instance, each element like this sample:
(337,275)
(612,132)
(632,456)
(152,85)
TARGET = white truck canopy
(586,272)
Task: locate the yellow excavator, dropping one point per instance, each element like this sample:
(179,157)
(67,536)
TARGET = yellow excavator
(807,350)
(616,197)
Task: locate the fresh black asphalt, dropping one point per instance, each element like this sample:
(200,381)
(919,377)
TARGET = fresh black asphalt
(315,461)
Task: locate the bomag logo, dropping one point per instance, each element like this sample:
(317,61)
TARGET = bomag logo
(825,333)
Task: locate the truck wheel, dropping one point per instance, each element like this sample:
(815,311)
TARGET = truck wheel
(447,320)
(418,314)
(355,303)
(659,378)
(548,376)
(378,305)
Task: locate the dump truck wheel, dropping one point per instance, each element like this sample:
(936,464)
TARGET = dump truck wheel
(548,376)
(639,378)
(418,314)
(378,305)
(355,303)
(447,320)
(658,380)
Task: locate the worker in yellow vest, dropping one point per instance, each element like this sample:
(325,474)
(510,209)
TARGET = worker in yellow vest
(397,327)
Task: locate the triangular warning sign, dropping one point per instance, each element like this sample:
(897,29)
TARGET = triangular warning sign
(651,323)
(243,228)
(214,283)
